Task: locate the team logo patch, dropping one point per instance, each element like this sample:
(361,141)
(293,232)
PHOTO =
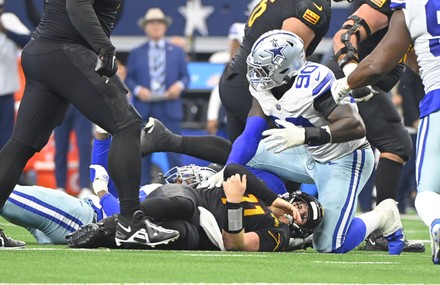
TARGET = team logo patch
(379,3)
(312,17)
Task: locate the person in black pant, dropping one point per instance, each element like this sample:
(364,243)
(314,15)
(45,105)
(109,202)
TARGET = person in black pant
(309,20)
(358,36)
(71,60)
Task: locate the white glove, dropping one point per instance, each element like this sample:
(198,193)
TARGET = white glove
(100,183)
(215,180)
(282,139)
(340,89)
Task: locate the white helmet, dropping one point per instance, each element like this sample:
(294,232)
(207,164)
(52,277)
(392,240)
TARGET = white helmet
(190,175)
(275,58)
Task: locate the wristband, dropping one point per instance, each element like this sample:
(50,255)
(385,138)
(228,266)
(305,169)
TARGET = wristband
(234,218)
(318,135)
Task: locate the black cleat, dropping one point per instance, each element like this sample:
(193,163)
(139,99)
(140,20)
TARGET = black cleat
(141,231)
(154,137)
(9,243)
(101,234)
(377,242)
(85,237)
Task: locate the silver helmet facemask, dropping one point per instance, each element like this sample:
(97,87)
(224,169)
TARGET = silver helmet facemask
(190,175)
(275,58)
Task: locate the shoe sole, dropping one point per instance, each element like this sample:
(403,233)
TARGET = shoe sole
(119,242)
(12,247)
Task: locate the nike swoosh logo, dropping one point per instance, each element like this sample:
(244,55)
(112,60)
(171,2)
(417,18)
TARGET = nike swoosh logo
(373,242)
(318,7)
(317,77)
(128,230)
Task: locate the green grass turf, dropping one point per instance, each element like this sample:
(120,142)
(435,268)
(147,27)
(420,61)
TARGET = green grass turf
(58,264)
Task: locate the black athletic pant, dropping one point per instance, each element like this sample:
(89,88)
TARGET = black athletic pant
(237,100)
(60,74)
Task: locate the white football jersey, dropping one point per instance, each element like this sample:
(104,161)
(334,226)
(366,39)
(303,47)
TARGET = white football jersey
(422,19)
(296,106)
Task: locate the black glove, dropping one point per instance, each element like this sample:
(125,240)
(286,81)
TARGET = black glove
(107,64)
(363,94)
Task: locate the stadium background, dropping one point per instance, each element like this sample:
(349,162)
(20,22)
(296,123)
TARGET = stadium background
(204,24)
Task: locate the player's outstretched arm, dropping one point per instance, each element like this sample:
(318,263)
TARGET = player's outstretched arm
(385,56)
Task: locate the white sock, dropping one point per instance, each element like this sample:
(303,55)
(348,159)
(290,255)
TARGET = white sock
(428,206)
(371,221)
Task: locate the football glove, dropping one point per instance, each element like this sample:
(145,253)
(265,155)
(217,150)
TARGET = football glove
(282,139)
(340,89)
(363,94)
(215,180)
(107,64)
(100,183)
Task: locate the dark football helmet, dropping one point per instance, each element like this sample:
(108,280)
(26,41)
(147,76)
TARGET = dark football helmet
(190,175)
(314,217)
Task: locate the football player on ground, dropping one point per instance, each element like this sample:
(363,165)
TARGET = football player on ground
(415,22)
(302,88)
(234,216)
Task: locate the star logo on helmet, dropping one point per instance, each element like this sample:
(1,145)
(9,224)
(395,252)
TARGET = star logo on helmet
(277,50)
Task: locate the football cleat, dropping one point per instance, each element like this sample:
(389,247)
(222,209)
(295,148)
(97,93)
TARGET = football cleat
(377,242)
(435,241)
(154,136)
(9,243)
(391,226)
(141,231)
(84,237)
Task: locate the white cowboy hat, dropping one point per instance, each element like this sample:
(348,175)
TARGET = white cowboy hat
(154,14)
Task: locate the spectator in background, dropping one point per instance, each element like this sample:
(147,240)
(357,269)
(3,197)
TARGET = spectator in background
(410,91)
(13,36)
(216,117)
(157,74)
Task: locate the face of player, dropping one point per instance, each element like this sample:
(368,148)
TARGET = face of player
(303,210)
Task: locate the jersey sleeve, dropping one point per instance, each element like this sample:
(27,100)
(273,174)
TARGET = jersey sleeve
(85,20)
(316,78)
(397,4)
(314,14)
(274,238)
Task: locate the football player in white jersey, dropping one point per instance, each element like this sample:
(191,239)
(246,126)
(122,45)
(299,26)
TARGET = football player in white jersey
(317,141)
(415,22)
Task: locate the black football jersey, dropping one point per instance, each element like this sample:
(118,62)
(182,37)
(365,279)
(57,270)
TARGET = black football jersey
(270,15)
(274,235)
(87,23)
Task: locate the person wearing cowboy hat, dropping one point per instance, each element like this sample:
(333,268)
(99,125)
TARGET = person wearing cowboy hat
(157,74)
